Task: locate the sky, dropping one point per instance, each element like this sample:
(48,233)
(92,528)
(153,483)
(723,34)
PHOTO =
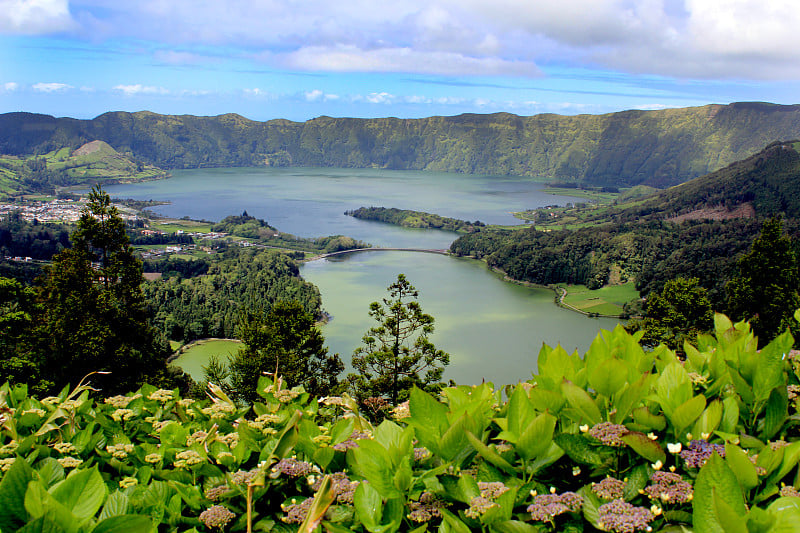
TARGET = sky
(299,59)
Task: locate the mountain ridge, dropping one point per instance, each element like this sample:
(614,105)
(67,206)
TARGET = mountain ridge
(657,148)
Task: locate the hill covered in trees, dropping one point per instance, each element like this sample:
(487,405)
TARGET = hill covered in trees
(696,230)
(657,148)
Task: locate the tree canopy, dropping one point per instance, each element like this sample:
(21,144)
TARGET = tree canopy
(397,355)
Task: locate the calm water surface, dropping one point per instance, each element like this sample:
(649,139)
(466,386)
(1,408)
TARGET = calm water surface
(310,202)
(492,329)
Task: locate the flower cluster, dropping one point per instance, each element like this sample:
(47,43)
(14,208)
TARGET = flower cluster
(669,487)
(68,462)
(401,411)
(343,488)
(161,395)
(296,512)
(120,451)
(122,414)
(421,454)
(490,491)
(11,447)
(218,410)
(609,489)
(292,467)
(622,517)
(6,463)
(789,491)
(699,451)
(196,438)
(128,481)
(608,433)
(285,395)
(427,508)
(187,458)
(350,442)
(215,493)
(216,516)
(546,507)
(243,477)
(120,402)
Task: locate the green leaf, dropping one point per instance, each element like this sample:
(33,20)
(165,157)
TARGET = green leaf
(519,413)
(643,417)
(730,415)
(50,471)
(489,454)
(12,495)
(685,414)
(630,397)
(116,504)
(173,435)
(579,449)
(673,388)
(43,524)
(580,400)
(715,479)
(609,377)
(709,421)
(776,413)
(638,478)
(786,511)
(453,523)
(514,526)
(536,438)
(371,461)
(769,371)
(40,504)
(323,499)
(641,444)
(82,493)
(727,518)
(743,469)
(759,520)
(124,524)
(546,400)
(369,506)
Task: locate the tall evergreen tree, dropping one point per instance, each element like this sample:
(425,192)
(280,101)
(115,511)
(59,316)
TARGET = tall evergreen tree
(285,340)
(93,316)
(766,290)
(397,351)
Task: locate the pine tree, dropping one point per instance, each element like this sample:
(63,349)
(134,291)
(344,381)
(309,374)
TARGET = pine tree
(397,351)
(92,311)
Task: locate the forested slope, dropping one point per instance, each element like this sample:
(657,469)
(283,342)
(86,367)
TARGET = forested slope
(658,148)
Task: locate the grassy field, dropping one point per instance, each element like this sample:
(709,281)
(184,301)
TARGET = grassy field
(173,225)
(195,356)
(604,301)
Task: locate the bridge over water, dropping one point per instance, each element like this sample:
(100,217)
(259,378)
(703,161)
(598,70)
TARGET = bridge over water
(425,250)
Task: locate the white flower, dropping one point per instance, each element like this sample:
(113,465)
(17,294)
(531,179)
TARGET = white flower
(657,465)
(652,436)
(674,447)
(584,428)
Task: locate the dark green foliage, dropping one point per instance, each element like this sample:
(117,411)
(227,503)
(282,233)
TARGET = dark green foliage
(93,318)
(676,314)
(244,226)
(415,219)
(285,340)
(657,148)
(766,289)
(31,239)
(238,281)
(397,351)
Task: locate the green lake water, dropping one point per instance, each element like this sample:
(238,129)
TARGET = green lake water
(492,329)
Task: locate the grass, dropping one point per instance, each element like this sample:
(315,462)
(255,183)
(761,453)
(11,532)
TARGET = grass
(195,356)
(172,226)
(607,300)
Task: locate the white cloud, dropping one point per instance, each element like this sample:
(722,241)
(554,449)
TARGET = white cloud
(744,39)
(354,59)
(133,90)
(51,87)
(34,16)
(258,93)
(316,95)
(10,86)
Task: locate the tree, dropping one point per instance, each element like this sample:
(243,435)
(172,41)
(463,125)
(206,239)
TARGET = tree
(766,290)
(387,365)
(92,311)
(678,313)
(285,340)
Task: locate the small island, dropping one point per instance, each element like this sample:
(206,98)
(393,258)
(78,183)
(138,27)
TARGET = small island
(415,219)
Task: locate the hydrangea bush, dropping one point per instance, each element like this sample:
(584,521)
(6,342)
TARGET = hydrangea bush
(619,440)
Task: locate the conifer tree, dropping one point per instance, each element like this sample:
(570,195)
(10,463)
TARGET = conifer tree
(396,354)
(92,311)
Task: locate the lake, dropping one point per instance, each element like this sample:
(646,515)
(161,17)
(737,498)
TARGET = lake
(492,329)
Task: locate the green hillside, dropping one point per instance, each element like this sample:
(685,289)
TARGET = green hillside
(656,148)
(93,162)
(696,229)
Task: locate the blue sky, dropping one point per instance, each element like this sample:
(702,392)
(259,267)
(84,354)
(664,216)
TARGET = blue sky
(299,59)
